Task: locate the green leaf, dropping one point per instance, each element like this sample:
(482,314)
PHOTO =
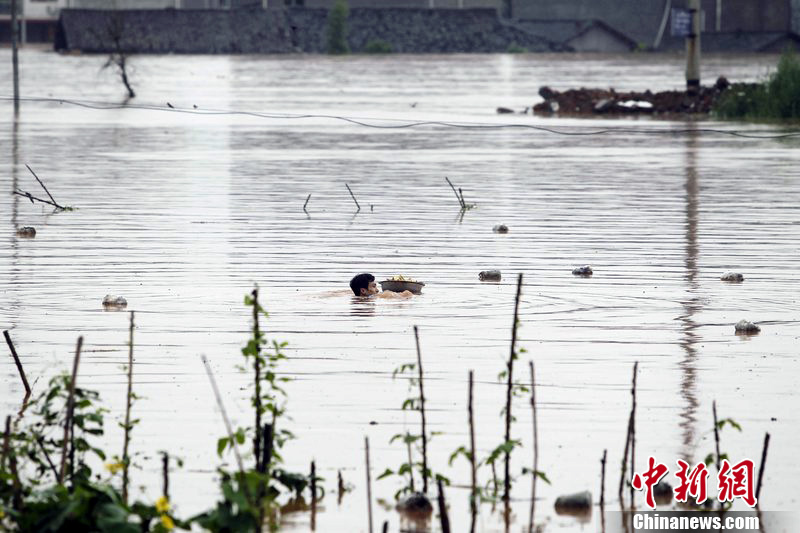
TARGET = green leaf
(221,444)
(386,473)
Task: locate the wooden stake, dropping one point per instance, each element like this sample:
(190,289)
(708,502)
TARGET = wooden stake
(410,467)
(369,484)
(305,204)
(761,466)
(7,443)
(535,448)
(257,372)
(422,413)
(128,403)
(266,454)
(165,474)
(473,498)
(19,365)
(353,196)
(313,496)
(313,483)
(603,480)
(716,432)
(633,427)
(624,465)
(509,391)
(443,518)
(70,408)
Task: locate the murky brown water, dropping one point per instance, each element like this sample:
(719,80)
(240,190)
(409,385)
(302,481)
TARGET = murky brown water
(183,213)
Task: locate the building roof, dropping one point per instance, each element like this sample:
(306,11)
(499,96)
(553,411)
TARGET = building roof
(638,20)
(564,30)
(735,41)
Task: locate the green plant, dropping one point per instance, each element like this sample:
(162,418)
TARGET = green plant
(337,28)
(250,496)
(378,46)
(514,48)
(413,441)
(776,98)
(31,496)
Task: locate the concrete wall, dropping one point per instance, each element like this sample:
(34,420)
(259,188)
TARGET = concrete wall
(748,15)
(291,30)
(597,40)
(435,4)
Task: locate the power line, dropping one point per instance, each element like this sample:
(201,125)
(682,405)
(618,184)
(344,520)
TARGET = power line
(393,123)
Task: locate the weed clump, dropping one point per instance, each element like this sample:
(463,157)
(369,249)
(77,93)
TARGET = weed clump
(777,98)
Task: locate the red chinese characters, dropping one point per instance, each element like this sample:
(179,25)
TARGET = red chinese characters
(691,483)
(736,482)
(654,473)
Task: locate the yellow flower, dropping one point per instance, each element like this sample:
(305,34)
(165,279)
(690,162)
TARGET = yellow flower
(167,522)
(162,504)
(114,467)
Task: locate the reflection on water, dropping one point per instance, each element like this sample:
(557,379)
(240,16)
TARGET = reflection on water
(181,214)
(692,303)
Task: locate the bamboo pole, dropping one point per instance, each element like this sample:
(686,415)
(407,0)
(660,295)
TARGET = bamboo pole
(165,474)
(473,499)
(633,428)
(70,408)
(369,484)
(444,520)
(509,391)
(761,466)
(422,413)
(535,448)
(128,403)
(257,371)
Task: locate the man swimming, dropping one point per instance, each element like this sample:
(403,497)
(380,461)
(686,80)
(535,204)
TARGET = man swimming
(364,285)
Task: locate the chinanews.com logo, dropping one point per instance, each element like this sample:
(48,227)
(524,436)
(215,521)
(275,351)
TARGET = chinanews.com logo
(733,482)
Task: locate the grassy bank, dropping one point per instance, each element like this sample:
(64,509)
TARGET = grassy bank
(777,98)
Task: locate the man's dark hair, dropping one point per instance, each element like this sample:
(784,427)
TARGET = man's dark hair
(361,281)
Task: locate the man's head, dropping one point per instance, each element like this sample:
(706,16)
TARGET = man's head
(364,285)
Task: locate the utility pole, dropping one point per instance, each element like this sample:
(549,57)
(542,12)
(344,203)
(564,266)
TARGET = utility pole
(693,50)
(14,61)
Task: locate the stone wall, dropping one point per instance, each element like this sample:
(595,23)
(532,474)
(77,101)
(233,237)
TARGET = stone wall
(275,31)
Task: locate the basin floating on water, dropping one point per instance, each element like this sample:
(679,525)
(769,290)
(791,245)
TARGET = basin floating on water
(400,286)
(585,270)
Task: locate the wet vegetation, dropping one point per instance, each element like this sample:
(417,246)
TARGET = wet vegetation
(49,480)
(337,29)
(776,98)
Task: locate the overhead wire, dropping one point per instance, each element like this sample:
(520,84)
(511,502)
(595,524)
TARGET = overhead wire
(396,123)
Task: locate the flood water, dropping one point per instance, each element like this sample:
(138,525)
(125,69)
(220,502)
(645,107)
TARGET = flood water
(182,213)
